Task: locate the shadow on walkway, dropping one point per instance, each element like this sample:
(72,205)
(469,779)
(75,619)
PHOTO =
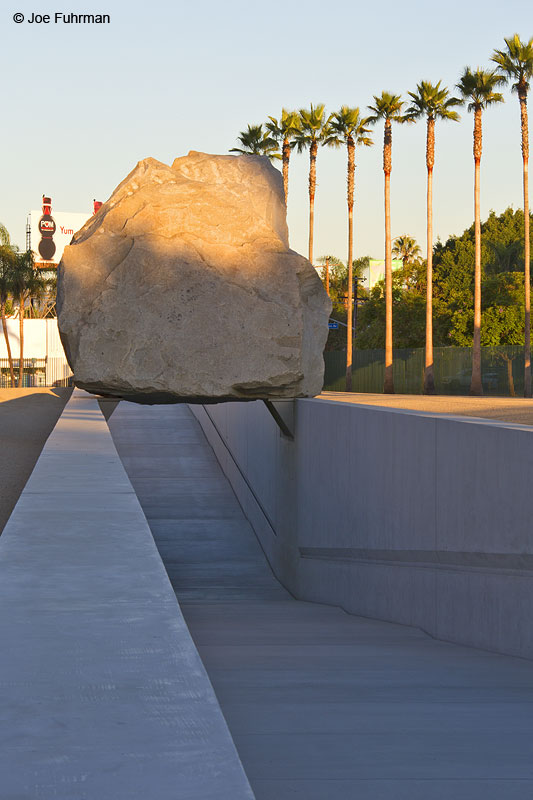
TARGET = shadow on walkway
(321,705)
(27,418)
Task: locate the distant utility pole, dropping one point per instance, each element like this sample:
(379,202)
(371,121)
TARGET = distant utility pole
(327,276)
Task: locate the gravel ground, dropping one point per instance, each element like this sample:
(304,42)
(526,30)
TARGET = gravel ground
(507,409)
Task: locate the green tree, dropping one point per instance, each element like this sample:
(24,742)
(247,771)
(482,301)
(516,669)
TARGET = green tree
(389,108)
(502,274)
(257,142)
(47,306)
(502,269)
(348,127)
(515,65)
(7,265)
(506,257)
(26,283)
(409,317)
(477,87)
(313,131)
(338,279)
(406,248)
(284,131)
(5,241)
(338,292)
(432,102)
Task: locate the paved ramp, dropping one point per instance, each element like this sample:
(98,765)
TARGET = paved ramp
(321,705)
(102,693)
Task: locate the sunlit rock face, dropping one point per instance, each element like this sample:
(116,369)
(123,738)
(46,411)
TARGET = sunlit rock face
(183,287)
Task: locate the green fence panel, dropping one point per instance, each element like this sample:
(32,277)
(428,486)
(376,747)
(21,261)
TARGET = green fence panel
(502,370)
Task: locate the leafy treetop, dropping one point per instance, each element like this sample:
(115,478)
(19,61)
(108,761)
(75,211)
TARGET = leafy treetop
(515,63)
(256,141)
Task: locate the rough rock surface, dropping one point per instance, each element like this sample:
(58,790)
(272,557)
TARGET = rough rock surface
(183,287)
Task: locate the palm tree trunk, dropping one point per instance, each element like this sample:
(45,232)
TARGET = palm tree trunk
(476,387)
(8,345)
(21,337)
(286,154)
(429,378)
(312,189)
(527,278)
(510,380)
(349,315)
(388,385)
(327,276)
(349,319)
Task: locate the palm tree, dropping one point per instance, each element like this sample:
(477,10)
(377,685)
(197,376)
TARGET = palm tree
(313,126)
(26,282)
(338,278)
(257,142)
(388,107)
(7,263)
(49,297)
(283,131)
(432,102)
(406,249)
(478,87)
(516,65)
(348,127)
(328,263)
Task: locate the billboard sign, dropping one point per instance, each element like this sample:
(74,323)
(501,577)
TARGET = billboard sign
(376,271)
(51,231)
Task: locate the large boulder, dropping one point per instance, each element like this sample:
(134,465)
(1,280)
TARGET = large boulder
(183,287)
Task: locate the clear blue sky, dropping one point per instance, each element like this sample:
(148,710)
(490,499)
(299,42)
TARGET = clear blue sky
(82,104)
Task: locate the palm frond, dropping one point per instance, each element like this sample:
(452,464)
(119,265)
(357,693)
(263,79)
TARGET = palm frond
(313,127)
(387,106)
(406,248)
(477,86)
(286,128)
(515,63)
(346,123)
(255,141)
(432,101)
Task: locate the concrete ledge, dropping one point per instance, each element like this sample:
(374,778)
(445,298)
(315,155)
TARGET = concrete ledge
(404,516)
(104,696)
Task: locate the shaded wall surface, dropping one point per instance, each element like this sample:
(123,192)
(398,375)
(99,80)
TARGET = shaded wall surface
(403,516)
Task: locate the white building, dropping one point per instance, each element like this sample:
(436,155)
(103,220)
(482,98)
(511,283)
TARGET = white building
(45,363)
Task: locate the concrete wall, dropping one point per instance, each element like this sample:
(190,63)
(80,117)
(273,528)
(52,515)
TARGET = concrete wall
(414,518)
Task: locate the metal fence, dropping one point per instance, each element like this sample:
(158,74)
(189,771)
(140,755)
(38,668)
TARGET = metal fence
(37,372)
(502,370)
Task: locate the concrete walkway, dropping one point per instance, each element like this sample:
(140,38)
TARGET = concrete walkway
(321,705)
(102,693)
